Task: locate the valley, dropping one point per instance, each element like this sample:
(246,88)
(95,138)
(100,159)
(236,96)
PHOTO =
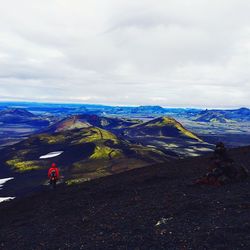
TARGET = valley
(96,141)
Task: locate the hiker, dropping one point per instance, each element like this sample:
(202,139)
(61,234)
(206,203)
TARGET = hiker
(222,170)
(53,175)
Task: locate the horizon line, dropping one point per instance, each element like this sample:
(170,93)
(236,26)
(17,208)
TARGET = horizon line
(122,105)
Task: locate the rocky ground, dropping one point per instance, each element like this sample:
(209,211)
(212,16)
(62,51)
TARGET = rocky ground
(147,208)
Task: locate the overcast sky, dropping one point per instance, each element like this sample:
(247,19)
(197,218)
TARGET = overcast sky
(176,53)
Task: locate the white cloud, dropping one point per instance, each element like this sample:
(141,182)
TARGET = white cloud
(171,53)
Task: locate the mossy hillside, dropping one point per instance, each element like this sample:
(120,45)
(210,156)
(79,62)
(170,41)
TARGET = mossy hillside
(22,166)
(25,156)
(161,122)
(52,139)
(165,122)
(78,136)
(186,132)
(94,134)
(99,171)
(75,181)
(100,137)
(86,150)
(104,152)
(22,157)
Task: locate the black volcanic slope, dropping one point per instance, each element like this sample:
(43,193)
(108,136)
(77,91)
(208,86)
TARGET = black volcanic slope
(147,208)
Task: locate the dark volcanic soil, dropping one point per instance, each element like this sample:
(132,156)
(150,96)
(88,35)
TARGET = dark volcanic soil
(121,212)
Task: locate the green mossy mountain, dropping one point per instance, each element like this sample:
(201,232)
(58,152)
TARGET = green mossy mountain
(91,152)
(88,153)
(162,126)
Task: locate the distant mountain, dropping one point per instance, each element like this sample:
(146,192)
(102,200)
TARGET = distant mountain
(242,114)
(242,111)
(22,116)
(63,110)
(162,133)
(16,113)
(148,110)
(163,126)
(168,135)
(90,151)
(223,116)
(212,116)
(87,120)
(18,123)
(70,123)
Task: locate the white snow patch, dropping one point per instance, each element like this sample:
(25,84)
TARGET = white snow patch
(51,154)
(2,181)
(6,198)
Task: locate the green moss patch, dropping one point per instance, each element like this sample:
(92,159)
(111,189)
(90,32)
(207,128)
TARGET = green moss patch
(52,139)
(76,181)
(23,166)
(103,152)
(95,134)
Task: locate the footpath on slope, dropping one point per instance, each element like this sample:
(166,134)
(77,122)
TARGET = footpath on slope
(147,208)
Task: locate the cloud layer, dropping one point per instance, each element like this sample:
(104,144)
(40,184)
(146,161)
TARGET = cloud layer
(169,53)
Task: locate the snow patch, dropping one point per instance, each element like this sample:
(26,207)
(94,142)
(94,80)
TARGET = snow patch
(6,199)
(51,155)
(2,181)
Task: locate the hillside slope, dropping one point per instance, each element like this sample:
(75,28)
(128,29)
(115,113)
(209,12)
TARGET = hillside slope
(168,135)
(86,120)
(86,153)
(147,208)
(162,126)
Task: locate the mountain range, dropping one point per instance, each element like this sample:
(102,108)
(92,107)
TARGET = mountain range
(63,110)
(223,116)
(124,178)
(18,123)
(94,146)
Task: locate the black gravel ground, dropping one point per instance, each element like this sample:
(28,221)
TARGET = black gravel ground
(147,208)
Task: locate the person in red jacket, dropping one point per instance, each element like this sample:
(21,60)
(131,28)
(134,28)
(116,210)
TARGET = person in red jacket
(53,174)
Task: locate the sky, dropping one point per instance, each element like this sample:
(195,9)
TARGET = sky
(173,53)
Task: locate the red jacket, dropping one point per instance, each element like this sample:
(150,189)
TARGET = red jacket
(57,172)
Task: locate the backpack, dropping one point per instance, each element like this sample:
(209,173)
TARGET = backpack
(53,174)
